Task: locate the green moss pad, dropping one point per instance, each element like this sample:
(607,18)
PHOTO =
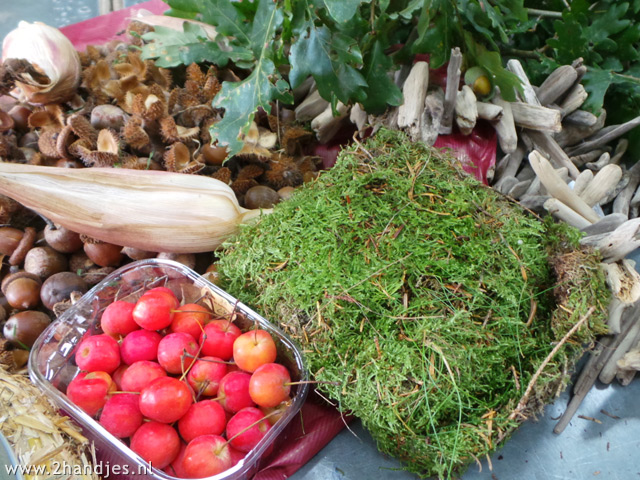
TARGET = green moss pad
(425,297)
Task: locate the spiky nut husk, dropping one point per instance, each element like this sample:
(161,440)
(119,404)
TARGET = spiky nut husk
(83,129)
(47,143)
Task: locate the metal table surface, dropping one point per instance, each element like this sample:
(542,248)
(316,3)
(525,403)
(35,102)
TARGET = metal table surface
(608,449)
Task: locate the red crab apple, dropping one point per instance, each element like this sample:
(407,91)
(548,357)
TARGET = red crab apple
(117,375)
(177,351)
(190,318)
(218,338)
(157,443)
(274,414)
(90,394)
(206,417)
(117,319)
(206,455)
(165,400)
(175,469)
(205,375)
(270,385)
(154,310)
(140,345)
(246,428)
(98,352)
(140,374)
(233,393)
(236,455)
(253,349)
(121,415)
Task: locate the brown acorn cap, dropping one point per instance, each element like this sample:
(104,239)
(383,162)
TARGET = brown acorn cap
(47,143)
(83,129)
(65,138)
(133,133)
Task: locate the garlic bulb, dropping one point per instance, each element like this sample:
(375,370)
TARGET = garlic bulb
(51,53)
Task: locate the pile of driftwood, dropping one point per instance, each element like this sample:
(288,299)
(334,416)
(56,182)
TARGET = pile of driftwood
(556,157)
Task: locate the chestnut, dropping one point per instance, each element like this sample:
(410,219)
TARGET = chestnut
(9,239)
(187,259)
(59,287)
(44,262)
(22,290)
(24,328)
(104,254)
(62,239)
(261,196)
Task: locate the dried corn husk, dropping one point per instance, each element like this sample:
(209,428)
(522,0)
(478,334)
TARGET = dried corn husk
(40,437)
(152,210)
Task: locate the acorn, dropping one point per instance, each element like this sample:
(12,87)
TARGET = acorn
(480,81)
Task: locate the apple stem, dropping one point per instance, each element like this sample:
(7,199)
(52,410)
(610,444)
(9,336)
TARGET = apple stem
(123,391)
(210,361)
(186,354)
(249,427)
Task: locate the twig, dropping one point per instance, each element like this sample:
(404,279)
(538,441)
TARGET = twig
(525,398)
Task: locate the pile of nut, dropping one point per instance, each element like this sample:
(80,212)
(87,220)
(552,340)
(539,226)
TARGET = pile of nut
(126,113)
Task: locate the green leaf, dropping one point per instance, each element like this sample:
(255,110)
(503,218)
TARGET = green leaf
(171,48)
(269,18)
(381,90)
(312,55)
(609,23)
(438,34)
(225,17)
(596,82)
(571,38)
(408,12)
(343,10)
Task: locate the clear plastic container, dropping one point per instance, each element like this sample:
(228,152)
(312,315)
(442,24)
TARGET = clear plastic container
(52,365)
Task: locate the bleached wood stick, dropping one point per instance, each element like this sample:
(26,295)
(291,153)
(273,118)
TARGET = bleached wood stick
(535,117)
(614,322)
(505,184)
(603,161)
(528,93)
(526,172)
(582,181)
(608,372)
(304,89)
(326,125)
(545,142)
(311,107)
(559,210)
(581,118)
(621,149)
(622,202)
(358,116)
(573,134)
(603,182)
(453,80)
(509,164)
(414,92)
(505,126)
(488,111)
(616,245)
(466,111)
(606,224)
(602,138)
(536,187)
(432,116)
(519,189)
(557,84)
(559,189)
(580,160)
(624,281)
(574,100)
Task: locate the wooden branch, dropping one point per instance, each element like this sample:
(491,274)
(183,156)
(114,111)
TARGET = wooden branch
(505,126)
(545,142)
(573,134)
(432,116)
(528,93)
(466,110)
(414,92)
(558,189)
(535,117)
(451,92)
(581,118)
(489,111)
(311,107)
(574,100)
(605,181)
(622,203)
(559,210)
(604,137)
(557,84)
(326,125)
(582,181)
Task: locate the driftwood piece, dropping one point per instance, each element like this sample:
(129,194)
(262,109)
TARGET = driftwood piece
(616,245)
(606,224)
(572,134)
(519,189)
(612,194)
(304,89)
(608,372)
(451,92)
(545,143)
(536,187)
(582,181)
(509,164)
(525,173)
(602,161)
(534,203)
(621,149)
(326,125)
(622,203)
(311,107)
(614,321)
(358,117)
(414,92)
(557,84)
(505,184)
(432,116)
(605,136)
(580,160)
(623,279)
(581,118)
(574,100)
(603,182)
(559,210)
(466,110)
(535,117)
(558,188)
(528,93)
(505,126)
(489,111)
